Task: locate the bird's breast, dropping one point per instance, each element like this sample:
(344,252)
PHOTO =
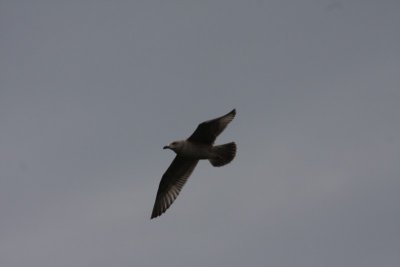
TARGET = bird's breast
(197,151)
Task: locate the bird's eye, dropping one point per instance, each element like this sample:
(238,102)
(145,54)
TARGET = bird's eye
(173,143)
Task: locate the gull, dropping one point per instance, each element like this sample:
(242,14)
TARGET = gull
(200,145)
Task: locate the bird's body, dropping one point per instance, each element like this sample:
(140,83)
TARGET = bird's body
(188,149)
(199,146)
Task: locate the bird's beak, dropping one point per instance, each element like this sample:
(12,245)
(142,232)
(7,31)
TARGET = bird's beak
(165,147)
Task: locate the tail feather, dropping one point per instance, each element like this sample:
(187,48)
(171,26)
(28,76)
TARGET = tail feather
(223,154)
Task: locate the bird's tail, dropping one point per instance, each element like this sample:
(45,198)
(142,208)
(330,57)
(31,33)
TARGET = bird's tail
(223,154)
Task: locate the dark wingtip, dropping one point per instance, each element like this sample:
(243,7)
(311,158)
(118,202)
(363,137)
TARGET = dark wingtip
(154,214)
(233,112)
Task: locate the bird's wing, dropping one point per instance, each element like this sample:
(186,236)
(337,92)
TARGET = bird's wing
(207,131)
(171,183)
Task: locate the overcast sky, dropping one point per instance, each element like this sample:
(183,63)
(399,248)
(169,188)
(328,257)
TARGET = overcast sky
(90,92)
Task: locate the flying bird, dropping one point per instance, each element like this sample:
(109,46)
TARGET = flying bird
(200,145)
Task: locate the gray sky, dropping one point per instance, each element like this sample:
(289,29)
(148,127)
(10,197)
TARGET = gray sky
(90,91)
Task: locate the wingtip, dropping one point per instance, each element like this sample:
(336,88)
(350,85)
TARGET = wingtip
(153,215)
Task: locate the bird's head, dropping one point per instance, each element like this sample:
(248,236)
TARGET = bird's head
(175,146)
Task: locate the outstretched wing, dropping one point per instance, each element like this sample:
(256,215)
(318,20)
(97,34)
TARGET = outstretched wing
(207,131)
(171,183)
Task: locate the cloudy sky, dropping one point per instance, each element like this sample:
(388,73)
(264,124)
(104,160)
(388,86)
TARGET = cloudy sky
(90,91)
